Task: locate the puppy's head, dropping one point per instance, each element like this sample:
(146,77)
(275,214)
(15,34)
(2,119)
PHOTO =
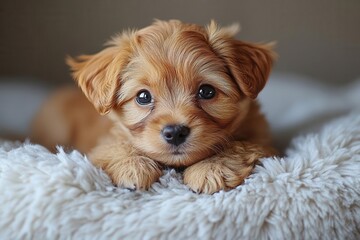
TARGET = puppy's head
(180,90)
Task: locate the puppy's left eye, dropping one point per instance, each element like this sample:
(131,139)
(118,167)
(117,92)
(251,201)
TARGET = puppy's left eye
(143,97)
(206,91)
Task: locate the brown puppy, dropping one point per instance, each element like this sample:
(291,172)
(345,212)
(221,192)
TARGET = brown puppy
(178,95)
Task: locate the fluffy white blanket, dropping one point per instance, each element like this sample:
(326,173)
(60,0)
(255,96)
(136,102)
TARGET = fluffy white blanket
(312,193)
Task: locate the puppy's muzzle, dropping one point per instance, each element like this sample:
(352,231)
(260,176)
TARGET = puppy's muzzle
(175,134)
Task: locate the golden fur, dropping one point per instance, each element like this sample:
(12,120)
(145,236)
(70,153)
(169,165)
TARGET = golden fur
(171,60)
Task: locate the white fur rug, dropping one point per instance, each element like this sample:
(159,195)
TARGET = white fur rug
(312,193)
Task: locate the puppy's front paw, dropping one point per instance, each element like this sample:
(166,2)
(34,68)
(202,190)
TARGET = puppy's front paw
(211,176)
(135,173)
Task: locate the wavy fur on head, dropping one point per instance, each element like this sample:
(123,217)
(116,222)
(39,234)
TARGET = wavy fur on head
(173,61)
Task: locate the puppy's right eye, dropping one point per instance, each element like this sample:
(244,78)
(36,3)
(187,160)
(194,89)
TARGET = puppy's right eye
(143,97)
(206,91)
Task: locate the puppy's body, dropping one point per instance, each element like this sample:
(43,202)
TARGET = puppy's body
(178,95)
(68,119)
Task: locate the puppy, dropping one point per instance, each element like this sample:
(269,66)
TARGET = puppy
(175,94)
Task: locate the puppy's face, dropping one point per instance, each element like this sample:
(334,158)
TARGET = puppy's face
(180,90)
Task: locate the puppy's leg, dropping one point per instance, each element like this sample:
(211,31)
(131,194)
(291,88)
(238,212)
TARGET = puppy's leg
(225,170)
(125,166)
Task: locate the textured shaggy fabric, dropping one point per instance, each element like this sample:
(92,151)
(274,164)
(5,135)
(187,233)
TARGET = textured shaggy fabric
(312,193)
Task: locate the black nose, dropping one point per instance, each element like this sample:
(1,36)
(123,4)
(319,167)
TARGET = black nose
(175,134)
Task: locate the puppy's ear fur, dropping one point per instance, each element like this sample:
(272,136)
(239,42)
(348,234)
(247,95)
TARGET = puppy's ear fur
(249,64)
(98,75)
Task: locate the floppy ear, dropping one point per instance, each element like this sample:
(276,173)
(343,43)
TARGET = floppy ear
(249,64)
(98,75)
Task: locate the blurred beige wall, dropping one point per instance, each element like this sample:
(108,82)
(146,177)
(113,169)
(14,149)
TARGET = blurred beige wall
(320,39)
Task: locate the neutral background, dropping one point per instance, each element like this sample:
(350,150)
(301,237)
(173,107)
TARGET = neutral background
(319,39)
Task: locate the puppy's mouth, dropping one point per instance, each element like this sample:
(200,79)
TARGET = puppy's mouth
(177,152)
